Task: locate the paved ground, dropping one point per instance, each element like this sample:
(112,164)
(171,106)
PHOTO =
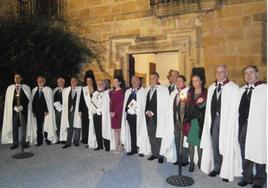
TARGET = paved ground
(78,167)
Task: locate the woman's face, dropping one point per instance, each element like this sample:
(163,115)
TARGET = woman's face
(89,82)
(116,83)
(197,82)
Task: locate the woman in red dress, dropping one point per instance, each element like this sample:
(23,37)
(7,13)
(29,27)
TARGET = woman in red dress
(116,109)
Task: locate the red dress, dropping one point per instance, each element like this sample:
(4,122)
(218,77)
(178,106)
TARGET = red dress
(116,106)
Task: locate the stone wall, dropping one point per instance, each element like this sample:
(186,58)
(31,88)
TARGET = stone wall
(233,34)
(8,7)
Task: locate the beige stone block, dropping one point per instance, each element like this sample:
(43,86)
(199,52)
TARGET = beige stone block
(246,20)
(235,34)
(231,23)
(128,7)
(244,47)
(257,46)
(250,8)
(101,28)
(76,4)
(246,60)
(212,40)
(231,11)
(116,8)
(91,3)
(254,32)
(141,5)
(100,11)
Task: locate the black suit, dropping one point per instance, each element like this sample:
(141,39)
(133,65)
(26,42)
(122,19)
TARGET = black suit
(18,119)
(151,105)
(85,121)
(132,121)
(40,107)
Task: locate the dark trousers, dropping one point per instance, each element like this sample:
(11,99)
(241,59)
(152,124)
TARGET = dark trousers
(185,153)
(154,141)
(18,120)
(85,126)
(132,121)
(260,177)
(215,144)
(98,131)
(72,132)
(40,121)
(58,122)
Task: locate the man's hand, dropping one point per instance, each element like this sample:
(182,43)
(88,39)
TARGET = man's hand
(149,114)
(46,113)
(80,114)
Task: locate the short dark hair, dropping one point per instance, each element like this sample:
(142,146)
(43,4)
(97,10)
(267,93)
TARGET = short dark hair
(182,77)
(74,77)
(251,66)
(155,73)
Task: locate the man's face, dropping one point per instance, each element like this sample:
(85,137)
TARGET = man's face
(17,79)
(221,73)
(41,81)
(172,77)
(61,82)
(154,80)
(180,83)
(100,85)
(135,81)
(250,75)
(74,82)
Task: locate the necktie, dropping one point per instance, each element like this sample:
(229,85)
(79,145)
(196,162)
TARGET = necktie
(219,87)
(249,92)
(40,92)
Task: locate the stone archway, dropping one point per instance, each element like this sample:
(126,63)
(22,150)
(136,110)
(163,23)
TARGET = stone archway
(184,42)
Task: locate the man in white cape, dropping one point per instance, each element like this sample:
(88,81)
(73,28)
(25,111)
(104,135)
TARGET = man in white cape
(156,109)
(71,117)
(100,129)
(134,134)
(169,144)
(43,118)
(253,128)
(221,152)
(17,114)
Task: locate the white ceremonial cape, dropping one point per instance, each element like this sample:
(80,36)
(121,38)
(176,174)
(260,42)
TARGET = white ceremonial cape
(7,130)
(142,135)
(107,131)
(168,146)
(49,121)
(228,139)
(64,115)
(256,138)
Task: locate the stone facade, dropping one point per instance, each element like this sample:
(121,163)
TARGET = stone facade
(232,33)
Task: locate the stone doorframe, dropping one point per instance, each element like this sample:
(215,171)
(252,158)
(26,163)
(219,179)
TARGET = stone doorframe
(183,41)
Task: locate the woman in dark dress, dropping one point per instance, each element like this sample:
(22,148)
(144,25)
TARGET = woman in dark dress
(85,102)
(195,112)
(116,109)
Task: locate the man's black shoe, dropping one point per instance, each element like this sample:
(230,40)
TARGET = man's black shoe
(132,153)
(14,147)
(66,146)
(213,173)
(151,158)
(244,183)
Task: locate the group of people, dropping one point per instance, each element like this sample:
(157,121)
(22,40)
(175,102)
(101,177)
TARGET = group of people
(222,128)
